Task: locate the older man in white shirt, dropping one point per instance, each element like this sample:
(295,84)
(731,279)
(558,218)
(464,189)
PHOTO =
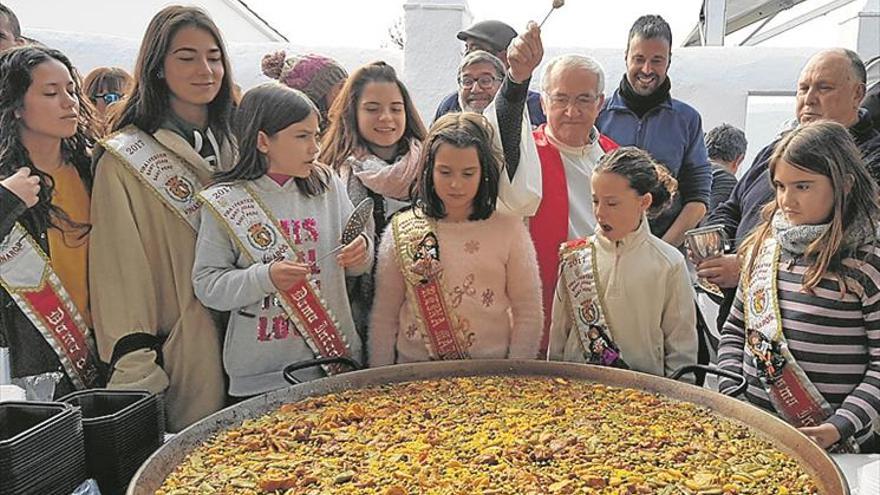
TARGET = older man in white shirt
(549,169)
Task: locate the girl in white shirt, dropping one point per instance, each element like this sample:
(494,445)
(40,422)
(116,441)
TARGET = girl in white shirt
(624,297)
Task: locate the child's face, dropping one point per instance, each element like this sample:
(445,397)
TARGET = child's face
(805,198)
(292,151)
(381,114)
(617,206)
(457,179)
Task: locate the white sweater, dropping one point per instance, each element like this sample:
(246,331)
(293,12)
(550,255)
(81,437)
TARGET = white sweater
(260,340)
(649,304)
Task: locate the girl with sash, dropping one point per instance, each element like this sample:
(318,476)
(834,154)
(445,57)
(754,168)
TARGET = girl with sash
(45,166)
(456,279)
(805,325)
(264,225)
(170,134)
(624,297)
(373,143)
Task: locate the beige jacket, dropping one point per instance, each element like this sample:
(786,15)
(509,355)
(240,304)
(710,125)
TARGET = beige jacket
(140,266)
(649,304)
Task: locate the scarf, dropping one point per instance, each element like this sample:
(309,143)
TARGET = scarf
(794,239)
(641,104)
(390,180)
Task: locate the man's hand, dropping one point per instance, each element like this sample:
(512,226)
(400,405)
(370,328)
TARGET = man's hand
(24,185)
(525,53)
(722,271)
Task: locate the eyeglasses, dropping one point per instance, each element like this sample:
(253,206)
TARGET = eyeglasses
(107,97)
(485,82)
(581,102)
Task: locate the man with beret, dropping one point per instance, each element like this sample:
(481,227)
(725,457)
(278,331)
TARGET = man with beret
(493,37)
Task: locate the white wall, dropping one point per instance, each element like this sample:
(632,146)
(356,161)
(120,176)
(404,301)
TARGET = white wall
(714,80)
(130,17)
(90,51)
(717,81)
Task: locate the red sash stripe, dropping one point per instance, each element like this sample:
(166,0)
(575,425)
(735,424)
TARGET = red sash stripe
(318,323)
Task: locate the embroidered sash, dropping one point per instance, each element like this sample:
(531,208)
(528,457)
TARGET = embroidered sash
(26,273)
(163,172)
(258,235)
(549,225)
(579,274)
(419,257)
(791,392)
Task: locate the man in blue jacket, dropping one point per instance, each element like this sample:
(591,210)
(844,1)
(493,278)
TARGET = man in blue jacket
(492,37)
(641,113)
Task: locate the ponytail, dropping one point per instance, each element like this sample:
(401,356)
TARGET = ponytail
(643,174)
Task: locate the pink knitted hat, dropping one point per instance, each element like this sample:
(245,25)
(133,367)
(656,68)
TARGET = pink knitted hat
(312,74)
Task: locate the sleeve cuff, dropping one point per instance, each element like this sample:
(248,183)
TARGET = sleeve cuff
(263,278)
(13,206)
(698,198)
(726,385)
(844,426)
(513,91)
(138,371)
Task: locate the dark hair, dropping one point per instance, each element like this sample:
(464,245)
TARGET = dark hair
(342,138)
(16,66)
(825,148)
(643,174)
(147,104)
(649,27)
(13,20)
(271,107)
(726,142)
(461,130)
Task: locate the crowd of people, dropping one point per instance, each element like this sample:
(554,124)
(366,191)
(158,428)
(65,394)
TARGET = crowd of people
(165,231)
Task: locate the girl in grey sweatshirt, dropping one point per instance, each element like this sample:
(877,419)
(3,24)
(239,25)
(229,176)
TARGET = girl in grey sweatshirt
(243,272)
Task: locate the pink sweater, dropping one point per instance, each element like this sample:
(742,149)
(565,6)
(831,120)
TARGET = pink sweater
(491,281)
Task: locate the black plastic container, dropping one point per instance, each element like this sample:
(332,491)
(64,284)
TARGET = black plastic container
(122,428)
(41,448)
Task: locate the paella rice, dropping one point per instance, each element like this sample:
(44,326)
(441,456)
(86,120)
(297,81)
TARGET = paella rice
(489,435)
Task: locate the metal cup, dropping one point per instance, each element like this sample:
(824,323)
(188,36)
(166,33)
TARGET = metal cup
(705,242)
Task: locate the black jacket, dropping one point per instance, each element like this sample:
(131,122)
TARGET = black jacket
(742,212)
(31,354)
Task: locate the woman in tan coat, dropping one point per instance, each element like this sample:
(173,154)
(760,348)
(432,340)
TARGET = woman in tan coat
(169,137)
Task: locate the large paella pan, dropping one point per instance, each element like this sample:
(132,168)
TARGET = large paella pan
(480,380)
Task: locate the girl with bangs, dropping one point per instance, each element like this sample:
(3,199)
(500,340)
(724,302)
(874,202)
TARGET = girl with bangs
(373,143)
(805,326)
(168,136)
(455,278)
(262,224)
(105,86)
(45,186)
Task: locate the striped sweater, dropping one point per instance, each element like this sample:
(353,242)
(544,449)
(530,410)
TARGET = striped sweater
(836,340)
